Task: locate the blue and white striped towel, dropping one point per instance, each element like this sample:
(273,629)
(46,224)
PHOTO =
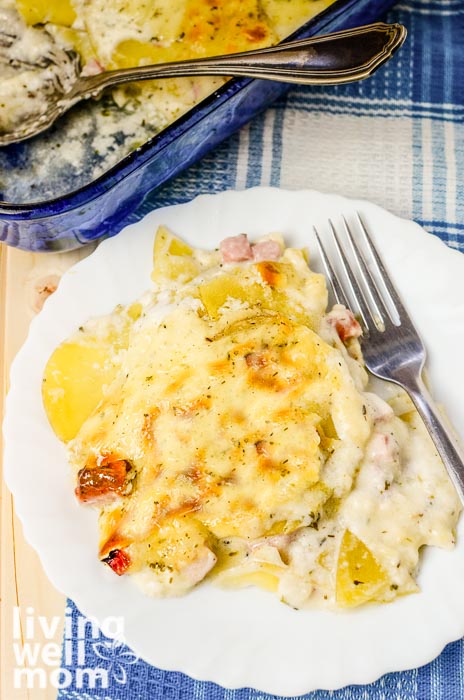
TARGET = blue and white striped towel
(396,140)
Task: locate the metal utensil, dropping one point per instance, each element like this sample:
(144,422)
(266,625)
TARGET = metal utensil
(331,59)
(391,345)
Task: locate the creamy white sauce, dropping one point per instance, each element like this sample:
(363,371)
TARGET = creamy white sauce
(33,69)
(401,500)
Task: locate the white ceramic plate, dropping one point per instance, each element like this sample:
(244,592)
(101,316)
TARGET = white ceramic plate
(238,638)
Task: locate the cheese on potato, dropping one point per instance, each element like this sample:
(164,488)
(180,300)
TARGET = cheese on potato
(232,435)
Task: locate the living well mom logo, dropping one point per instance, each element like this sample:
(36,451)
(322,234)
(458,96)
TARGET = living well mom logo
(91,657)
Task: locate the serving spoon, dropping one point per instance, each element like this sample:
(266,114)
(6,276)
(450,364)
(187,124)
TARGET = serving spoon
(330,59)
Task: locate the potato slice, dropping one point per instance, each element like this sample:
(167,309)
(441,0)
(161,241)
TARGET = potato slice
(73,384)
(131,53)
(285,17)
(79,369)
(172,258)
(252,287)
(217,291)
(264,576)
(360,577)
(43,11)
(235,570)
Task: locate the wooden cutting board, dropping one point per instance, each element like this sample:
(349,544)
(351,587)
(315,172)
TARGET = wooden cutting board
(26,279)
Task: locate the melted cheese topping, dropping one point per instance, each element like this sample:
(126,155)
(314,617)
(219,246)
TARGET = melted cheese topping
(237,439)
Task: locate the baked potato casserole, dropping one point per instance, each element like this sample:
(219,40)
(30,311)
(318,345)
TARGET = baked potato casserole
(225,428)
(128,33)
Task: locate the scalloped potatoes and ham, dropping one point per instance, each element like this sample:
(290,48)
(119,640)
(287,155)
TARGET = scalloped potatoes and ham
(231,436)
(128,33)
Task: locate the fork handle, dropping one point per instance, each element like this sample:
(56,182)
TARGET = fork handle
(444,439)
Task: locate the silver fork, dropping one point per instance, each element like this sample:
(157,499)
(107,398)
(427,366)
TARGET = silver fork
(392,347)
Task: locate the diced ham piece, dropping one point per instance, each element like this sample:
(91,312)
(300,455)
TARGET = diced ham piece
(239,249)
(344,322)
(118,560)
(383,449)
(256,360)
(102,482)
(266,250)
(199,567)
(236,248)
(92,67)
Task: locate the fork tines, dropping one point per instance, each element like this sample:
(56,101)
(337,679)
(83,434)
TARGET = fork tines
(359,279)
(392,347)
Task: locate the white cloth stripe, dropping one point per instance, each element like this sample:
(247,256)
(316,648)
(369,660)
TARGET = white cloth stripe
(299,96)
(427,171)
(266,170)
(386,112)
(427,10)
(242,158)
(450,158)
(373,108)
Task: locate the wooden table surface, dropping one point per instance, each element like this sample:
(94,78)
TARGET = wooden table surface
(26,279)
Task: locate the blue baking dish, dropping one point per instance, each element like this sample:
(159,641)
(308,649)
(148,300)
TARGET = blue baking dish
(102,207)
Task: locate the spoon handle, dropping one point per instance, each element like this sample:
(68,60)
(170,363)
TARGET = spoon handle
(341,57)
